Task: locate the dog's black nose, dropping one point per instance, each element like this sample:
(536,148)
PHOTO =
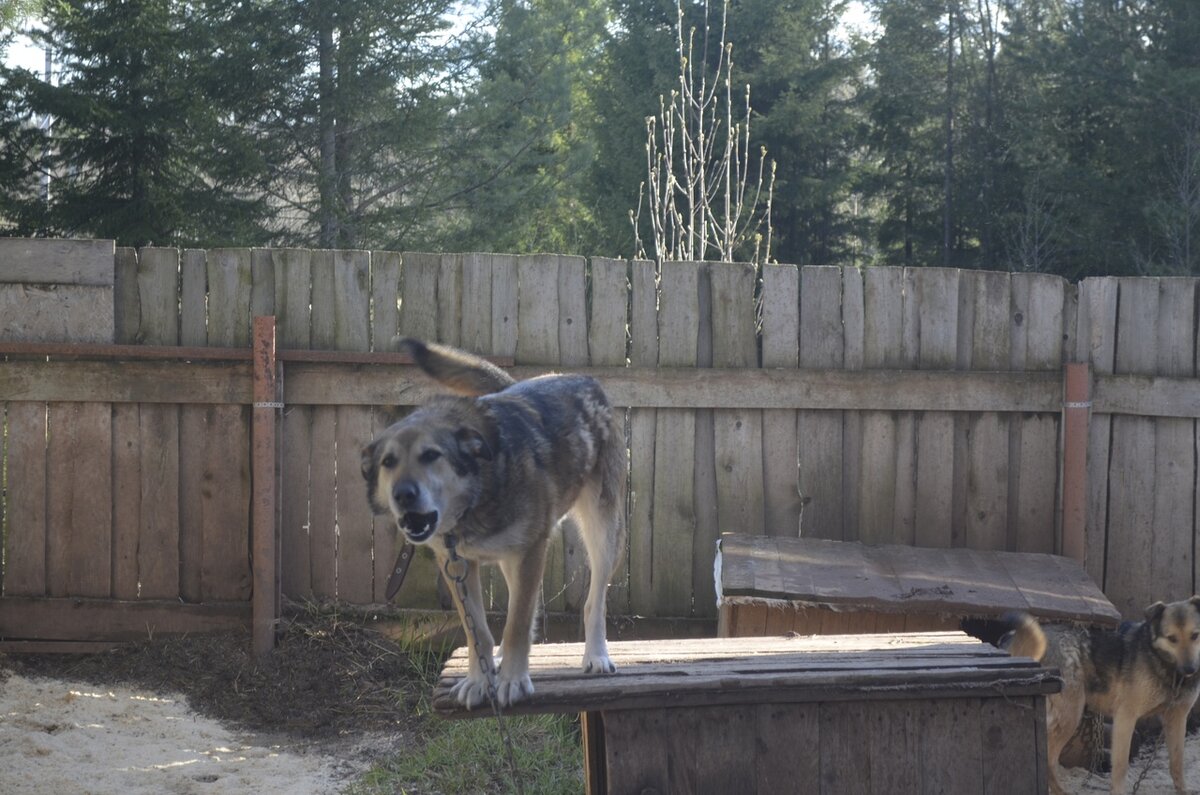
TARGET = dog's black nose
(405,493)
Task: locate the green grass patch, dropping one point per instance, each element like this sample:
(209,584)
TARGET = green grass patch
(469,756)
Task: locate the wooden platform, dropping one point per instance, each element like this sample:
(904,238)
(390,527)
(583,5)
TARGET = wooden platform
(872,713)
(769,585)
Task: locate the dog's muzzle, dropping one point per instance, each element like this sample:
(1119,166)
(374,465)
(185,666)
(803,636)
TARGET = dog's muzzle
(418,526)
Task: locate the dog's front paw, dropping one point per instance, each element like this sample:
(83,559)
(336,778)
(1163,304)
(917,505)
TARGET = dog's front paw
(471,690)
(511,690)
(598,664)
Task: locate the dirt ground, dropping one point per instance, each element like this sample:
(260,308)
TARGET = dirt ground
(197,715)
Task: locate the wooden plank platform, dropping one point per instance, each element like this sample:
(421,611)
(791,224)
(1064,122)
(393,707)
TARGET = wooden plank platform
(708,671)
(845,576)
(914,713)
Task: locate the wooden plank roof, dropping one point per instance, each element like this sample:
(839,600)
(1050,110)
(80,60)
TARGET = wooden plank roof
(893,578)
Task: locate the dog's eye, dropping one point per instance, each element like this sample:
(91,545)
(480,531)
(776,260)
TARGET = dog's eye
(1195,635)
(429,456)
(1173,638)
(388,461)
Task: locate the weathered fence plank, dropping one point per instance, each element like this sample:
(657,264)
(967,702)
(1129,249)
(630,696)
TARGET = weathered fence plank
(1130,582)
(293,330)
(985,515)
(607,323)
(781,452)
(643,424)
(1171,550)
(883,291)
(25,515)
(737,433)
(674,511)
(572,355)
(1097,342)
(936,290)
(820,432)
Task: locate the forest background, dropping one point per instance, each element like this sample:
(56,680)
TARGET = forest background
(1059,136)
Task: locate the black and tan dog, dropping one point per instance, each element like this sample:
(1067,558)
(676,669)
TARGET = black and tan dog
(496,467)
(1145,668)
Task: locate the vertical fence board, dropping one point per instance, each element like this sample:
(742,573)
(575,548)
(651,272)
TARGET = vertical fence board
(1097,339)
(476,332)
(385,294)
(225,490)
(354,426)
(1130,582)
(79,500)
(193,331)
(737,433)
(25,535)
(127,499)
(1171,553)
(449,299)
(883,292)
(1037,342)
(643,423)
(158,518)
(126,309)
(607,324)
(419,304)
(936,290)
(322,467)
(781,452)
(157,438)
(573,354)
(385,325)
(820,432)
(538,321)
(293,330)
(853,357)
(986,514)
(674,512)
(704,472)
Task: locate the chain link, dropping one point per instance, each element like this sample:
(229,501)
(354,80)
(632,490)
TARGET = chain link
(455,569)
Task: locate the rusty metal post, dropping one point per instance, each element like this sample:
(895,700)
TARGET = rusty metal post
(264,546)
(1076,412)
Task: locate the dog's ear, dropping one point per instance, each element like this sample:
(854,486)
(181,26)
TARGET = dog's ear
(1195,603)
(471,443)
(1154,612)
(370,465)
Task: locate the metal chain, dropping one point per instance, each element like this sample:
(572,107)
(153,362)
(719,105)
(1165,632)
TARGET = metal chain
(458,575)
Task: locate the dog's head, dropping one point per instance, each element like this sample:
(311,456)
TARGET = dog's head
(424,470)
(1175,633)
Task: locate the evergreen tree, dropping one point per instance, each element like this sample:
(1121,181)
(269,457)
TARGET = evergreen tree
(136,153)
(532,127)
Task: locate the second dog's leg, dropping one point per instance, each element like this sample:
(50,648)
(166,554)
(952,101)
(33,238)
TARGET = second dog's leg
(1122,735)
(1175,727)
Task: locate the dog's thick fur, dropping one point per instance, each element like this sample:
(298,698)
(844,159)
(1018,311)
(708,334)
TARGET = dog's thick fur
(498,466)
(1145,668)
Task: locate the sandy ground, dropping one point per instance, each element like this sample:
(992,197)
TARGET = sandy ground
(59,736)
(1148,773)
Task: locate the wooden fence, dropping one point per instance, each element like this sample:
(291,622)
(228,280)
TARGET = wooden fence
(917,406)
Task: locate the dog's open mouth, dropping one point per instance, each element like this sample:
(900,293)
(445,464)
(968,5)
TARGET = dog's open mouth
(419,526)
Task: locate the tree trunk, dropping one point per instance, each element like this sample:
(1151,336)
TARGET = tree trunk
(326,90)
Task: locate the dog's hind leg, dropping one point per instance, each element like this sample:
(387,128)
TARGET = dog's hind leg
(601,527)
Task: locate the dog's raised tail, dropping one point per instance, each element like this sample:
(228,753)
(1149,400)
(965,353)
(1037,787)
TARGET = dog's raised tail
(1028,639)
(456,370)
